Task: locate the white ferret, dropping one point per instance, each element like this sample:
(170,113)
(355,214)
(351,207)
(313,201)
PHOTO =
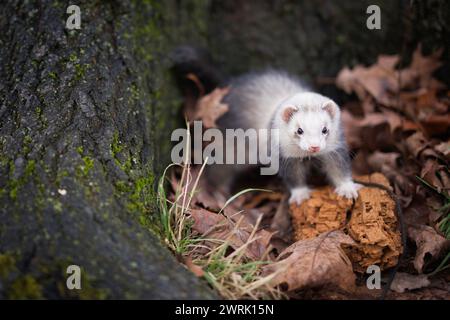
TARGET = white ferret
(309,124)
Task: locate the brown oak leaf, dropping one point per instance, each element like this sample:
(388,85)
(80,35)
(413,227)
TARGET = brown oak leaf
(314,262)
(405,281)
(216,226)
(428,241)
(210,108)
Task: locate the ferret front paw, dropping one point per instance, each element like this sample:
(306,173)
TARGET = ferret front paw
(348,189)
(298,195)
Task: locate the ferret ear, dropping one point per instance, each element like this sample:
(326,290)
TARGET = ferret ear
(288,112)
(332,108)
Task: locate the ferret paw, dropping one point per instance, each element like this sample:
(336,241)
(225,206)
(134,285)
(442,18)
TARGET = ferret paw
(298,195)
(348,190)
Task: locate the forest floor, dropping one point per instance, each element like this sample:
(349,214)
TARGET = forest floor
(253,245)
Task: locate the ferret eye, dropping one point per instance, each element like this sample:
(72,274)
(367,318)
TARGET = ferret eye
(299,131)
(324,130)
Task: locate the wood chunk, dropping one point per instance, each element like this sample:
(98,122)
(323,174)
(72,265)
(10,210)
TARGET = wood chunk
(372,224)
(324,211)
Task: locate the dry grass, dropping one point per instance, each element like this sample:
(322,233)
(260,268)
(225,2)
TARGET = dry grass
(233,275)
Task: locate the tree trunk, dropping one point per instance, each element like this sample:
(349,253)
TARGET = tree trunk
(84,122)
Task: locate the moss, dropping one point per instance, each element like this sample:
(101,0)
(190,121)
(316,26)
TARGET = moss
(53,75)
(139,197)
(38,112)
(73,57)
(14,185)
(41,117)
(7,265)
(80,70)
(142,195)
(13,189)
(116,145)
(61,174)
(56,204)
(134,96)
(88,290)
(25,287)
(116,149)
(30,167)
(26,144)
(122,186)
(84,169)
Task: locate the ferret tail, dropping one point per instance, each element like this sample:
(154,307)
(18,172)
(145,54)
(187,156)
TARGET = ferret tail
(194,70)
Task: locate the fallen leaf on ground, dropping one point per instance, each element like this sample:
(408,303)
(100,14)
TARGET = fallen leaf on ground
(416,143)
(444,148)
(379,80)
(373,131)
(215,226)
(262,197)
(210,108)
(383,82)
(195,269)
(281,221)
(405,281)
(314,262)
(428,242)
(379,159)
(436,174)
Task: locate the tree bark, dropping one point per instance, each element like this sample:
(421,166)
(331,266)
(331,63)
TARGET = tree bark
(84,119)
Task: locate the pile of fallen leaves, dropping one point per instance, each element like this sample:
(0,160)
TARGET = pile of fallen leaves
(398,130)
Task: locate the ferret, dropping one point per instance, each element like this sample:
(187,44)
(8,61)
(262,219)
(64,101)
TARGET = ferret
(310,131)
(309,124)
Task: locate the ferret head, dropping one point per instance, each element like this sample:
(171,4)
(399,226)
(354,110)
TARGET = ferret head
(309,125)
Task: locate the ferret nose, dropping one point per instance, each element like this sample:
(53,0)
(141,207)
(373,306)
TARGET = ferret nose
(314,149)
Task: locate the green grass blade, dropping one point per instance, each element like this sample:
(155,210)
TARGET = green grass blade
(239,194)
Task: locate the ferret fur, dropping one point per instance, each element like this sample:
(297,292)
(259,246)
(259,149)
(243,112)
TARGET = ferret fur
(277,100)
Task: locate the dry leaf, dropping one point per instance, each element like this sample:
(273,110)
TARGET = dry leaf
(205,195)
(373,132)
(262,197)
(416,143)
(435,174)
(383,82)
(314,263)
(195,269)
(444,148)
(436,124)
(281,221)
(210,108)
(422,68)
(216,226)
(404,281)
(379,80)
(428,242)
(379,159)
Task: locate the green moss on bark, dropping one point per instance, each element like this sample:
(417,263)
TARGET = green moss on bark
(25,287)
